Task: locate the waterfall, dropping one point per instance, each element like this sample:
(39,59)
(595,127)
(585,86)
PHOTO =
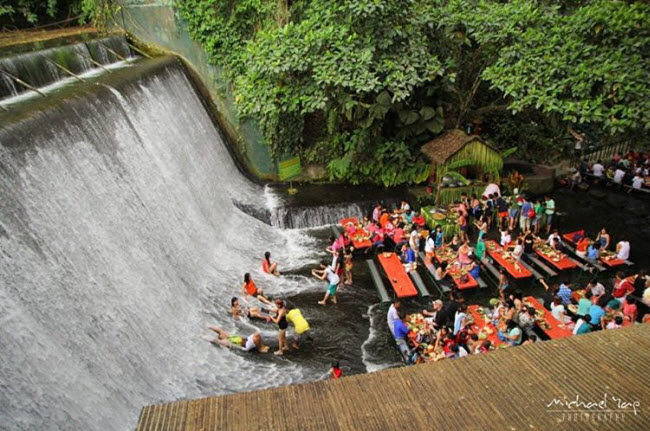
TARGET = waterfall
(38,69)
(119,241)
(303,217)
(287,216)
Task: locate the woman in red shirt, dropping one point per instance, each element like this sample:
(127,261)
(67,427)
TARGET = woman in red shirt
(268,266)
(335,372)
(622,286)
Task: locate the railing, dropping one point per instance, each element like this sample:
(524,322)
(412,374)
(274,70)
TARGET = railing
(606,152)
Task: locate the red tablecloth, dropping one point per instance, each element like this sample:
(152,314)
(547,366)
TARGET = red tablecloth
(397,275)
(455,275)
(445,254)
(480,323)
(612,262)
(359,232)
(609,263)
(564,263)
(497,255)
(557,329)
(568,237)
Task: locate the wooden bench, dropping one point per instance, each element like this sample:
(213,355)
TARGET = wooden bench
(490,268)
(541,264)
(419,284)
(481,284)
(377,281)
(591,262)
(611,181)
(536,274)
(431,270)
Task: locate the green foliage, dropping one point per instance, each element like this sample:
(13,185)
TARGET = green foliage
(29,13)
(360,85)
(587,66)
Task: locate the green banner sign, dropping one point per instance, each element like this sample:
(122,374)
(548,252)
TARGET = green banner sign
(289,168)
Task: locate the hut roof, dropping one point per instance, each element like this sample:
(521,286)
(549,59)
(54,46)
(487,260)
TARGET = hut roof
(439,150)
(509,389)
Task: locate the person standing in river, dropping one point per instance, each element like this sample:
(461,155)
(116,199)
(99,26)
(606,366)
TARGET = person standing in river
(327,272)
(281,320)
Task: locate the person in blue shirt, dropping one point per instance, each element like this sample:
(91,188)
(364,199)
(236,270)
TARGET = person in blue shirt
(524,218)
(474,270)
(593,252)
(401,335)
(440,237)
(408,258)
(595,314)
(564,292)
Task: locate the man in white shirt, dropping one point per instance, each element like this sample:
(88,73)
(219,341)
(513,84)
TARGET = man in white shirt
(623,250)
(637,182)
(551,237)
(492,189)
(252,342)
(598,169)
(327,272)
(414,239)
(393,315)
(506,239)
(619,174)
(597,289)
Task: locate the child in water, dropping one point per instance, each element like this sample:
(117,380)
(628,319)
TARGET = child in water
(348,267)
(335,371)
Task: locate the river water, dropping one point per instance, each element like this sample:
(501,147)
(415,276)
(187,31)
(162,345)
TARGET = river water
(125,228)
(120,240)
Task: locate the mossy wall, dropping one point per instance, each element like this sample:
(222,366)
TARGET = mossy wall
(154,22)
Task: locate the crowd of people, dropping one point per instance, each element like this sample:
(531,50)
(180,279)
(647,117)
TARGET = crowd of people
(447,331)
(520,224)
(523,225)
(631,170)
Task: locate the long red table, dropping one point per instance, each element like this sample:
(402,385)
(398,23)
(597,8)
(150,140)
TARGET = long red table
(568,237)
(515,269)
(480,323)
(358,233)
(399,279)
(455,275)
(611,263)
(557,329)
(564,263)
(447,254)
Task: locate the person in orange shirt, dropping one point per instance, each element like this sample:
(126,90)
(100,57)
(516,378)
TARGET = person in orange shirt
(250,289)
(384,219)
(268,266)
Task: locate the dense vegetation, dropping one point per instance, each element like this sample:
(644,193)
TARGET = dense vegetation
(25,14)
(360,85)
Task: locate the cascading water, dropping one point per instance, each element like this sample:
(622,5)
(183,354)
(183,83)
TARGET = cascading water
(38,69)
(288,216)
(302,217)
(119,241)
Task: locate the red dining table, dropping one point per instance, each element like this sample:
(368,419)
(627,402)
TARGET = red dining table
(513,268)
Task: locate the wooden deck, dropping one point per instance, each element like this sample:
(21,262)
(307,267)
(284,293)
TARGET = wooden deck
(509,389)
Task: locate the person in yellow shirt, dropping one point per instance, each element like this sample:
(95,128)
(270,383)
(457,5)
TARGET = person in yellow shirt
(301,327)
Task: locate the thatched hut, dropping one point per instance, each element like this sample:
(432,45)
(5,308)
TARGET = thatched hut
(460,163)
